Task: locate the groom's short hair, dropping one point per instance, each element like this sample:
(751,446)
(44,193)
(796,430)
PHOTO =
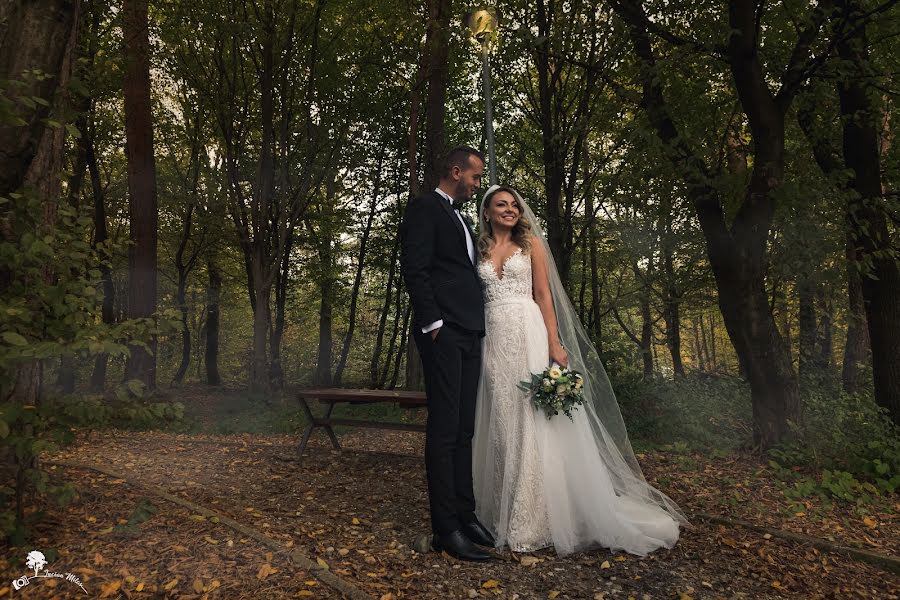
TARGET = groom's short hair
(458,157)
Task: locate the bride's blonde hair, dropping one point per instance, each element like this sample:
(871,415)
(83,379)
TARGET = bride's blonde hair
(521,232)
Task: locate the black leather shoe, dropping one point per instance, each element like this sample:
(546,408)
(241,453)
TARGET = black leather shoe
(458,546)
(477,533)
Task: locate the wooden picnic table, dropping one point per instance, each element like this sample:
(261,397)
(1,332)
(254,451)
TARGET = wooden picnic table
(333,396)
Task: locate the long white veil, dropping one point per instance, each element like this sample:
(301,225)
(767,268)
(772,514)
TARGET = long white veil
(600,408)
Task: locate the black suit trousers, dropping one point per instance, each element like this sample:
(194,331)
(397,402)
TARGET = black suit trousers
(452,366)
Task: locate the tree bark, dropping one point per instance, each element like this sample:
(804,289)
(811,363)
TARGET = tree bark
(596,293)
(646,335)
(41,36)
(698,347)
(868,212)
(213,298)
(360,262)
(107,309)
(671,295)
(142,203)
(807,321)
(856,349)
(437,74)
(375,380)
(824,337)
(183,270)
(36,34)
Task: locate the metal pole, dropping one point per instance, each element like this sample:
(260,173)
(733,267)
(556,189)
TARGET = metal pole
(489,116)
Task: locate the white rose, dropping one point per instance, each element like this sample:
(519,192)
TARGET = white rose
(555,373)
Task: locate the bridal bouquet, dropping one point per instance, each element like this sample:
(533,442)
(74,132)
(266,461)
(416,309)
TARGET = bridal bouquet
(556,389)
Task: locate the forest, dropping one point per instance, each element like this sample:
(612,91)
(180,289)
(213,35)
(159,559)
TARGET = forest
(199,213)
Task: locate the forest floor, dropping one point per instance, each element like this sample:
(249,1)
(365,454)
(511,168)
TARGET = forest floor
(237,515)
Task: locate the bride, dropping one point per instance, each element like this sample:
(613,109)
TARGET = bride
(543,482)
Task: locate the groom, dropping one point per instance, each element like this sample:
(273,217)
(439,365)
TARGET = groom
(438,257)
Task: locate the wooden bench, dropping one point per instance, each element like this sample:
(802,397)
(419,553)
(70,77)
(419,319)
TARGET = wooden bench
(332,396)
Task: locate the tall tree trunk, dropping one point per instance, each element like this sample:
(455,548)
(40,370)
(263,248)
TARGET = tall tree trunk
(37,36)
(698,346)
(868,212)
(437,61)
(360,262)
(712,343)
(704,346)
(856,348)
(142,208)
(671,295)
(401,351)
(107,310)
(646,335)
(213,298)
(596,294)
(181,293)
(395,336)
(437,73)
(327,287)
(375,380)
(824,343)
(807,321)
(276,370)
(551,141)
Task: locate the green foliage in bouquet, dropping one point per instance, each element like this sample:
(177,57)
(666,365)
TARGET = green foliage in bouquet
(557,389)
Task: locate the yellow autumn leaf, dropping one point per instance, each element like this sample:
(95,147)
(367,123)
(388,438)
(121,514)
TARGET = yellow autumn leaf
(604,564)
(490,584)
(265,570)
(388,596)
(684,596)
(870,522)
(620,558)
(210,540)
(92,519)
(553,594)
(311,583)
(171,584)
(198,585)
(322,563)
(529,561)
(355,521)
(140,587)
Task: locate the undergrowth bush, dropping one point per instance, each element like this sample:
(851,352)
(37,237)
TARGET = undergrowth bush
(845,448)
(700,411)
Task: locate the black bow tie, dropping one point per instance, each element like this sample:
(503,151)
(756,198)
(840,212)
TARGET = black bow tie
(457,204)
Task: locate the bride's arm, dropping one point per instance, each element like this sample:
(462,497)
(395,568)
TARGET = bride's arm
(543,298)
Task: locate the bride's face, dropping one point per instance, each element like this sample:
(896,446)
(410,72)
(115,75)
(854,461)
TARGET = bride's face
(503,211)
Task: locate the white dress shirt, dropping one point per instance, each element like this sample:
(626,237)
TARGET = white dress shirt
(470,246)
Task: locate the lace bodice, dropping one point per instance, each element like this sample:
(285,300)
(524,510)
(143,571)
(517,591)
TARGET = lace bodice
(514,280)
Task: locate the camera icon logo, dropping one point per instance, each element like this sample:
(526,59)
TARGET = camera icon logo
(21,582)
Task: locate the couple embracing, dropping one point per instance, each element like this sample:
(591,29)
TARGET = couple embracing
(490,311)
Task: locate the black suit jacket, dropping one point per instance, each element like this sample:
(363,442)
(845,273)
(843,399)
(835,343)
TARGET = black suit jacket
(440,278)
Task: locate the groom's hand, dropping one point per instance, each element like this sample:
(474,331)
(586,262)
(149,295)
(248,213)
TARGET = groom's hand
(434,333)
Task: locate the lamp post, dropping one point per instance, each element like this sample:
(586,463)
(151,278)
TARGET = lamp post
(483,26)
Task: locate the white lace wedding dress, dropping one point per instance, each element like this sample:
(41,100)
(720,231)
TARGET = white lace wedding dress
(538,481)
